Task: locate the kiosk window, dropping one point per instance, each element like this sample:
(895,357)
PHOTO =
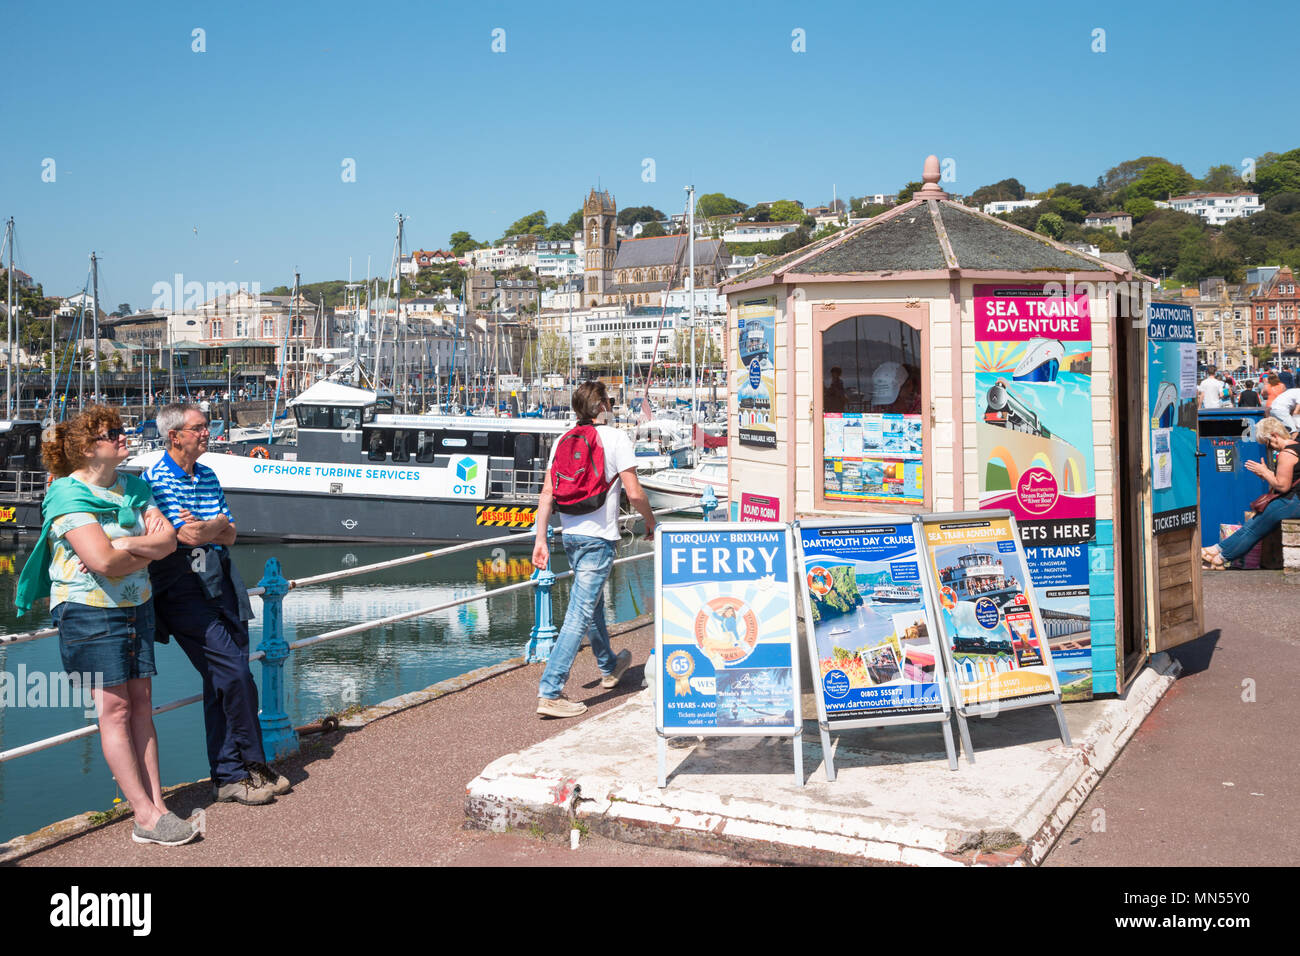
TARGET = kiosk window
(873,432)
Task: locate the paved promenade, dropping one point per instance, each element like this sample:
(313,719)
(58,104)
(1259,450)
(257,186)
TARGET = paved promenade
(1208,779)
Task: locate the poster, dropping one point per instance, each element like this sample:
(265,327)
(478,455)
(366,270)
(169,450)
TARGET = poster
(1033,380)
(872,457)
(1061,590)
(725,624)
(1171,377)
(873,648)
(755,372)
(991,628)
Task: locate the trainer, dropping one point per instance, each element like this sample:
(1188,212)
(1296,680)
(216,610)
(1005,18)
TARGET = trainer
(200,598)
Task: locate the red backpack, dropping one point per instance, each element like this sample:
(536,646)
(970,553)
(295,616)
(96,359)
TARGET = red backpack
(578,472)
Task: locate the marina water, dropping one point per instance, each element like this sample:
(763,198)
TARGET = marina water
(354,671)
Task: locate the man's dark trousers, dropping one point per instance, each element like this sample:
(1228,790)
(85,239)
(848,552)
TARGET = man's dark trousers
(216,643)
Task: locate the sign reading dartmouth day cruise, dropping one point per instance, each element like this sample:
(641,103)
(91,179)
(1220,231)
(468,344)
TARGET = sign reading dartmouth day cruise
(725,630)
(1033,380)
(872,640)
(1171,374)
(754,379)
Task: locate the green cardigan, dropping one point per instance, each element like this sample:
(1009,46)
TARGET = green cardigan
(65,496)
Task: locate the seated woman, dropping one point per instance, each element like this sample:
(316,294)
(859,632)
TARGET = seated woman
(1285,481)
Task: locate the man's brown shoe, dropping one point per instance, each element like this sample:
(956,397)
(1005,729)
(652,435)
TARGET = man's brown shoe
(560,707)
(621,664)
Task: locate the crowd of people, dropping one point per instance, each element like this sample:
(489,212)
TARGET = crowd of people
(126,561)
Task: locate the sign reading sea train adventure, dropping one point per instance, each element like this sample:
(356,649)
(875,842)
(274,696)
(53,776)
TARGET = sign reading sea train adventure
(725,633)
(870,628)
(993,635)
(1171,377)
(1033,385)
(755,376)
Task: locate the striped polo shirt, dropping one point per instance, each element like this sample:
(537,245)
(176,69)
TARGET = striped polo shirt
(174,490)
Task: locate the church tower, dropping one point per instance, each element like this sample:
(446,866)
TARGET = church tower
(599,222)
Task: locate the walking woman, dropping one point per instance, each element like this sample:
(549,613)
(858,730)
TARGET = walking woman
(101,529)
(1283,482)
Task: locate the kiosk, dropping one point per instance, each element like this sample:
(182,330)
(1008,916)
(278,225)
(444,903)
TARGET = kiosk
(936,359)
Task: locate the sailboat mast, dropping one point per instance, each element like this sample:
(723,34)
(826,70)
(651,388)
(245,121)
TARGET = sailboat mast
(9,315)
(690,286)
(94,280)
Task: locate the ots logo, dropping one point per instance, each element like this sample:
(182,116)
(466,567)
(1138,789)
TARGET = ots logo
(467,469)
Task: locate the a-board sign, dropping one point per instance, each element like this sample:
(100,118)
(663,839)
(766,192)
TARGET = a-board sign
(993,634)
(725,630)
(871,627)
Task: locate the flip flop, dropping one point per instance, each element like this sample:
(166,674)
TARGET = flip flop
(1212,560)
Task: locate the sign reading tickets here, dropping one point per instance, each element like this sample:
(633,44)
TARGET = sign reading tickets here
(725,630)
(993,633)
(873,643)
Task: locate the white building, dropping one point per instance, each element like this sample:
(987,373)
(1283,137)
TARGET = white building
(607,335)
(1009,205)
(500,257)
(758,231)
(558,265)
(1216,208)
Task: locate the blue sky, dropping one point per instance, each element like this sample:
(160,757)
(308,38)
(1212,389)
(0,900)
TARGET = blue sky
(246,140)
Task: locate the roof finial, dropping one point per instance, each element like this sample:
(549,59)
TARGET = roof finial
(930,177)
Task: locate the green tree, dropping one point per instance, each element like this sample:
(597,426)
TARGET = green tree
(1279,174)
(1003,191)
(534,223)
(905,193)
(1162,180)
(717,204)
(462,242)
(632,214)
(1050,225)
(1139,206)
(1163,238)
(652,229)
(786,210)
(1221,179)
(1126,173)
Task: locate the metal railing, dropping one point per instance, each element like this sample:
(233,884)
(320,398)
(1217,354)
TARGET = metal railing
(278,735)
(24,485)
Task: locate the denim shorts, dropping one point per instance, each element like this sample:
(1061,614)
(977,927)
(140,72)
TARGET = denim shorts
(115,642)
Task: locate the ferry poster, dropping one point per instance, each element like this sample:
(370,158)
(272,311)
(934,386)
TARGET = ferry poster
(1171,374)
(725,629)
(754,378)
(987,609)
(1033,386)
(872,457)
(870,628)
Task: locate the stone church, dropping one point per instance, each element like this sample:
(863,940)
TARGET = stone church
(634,271)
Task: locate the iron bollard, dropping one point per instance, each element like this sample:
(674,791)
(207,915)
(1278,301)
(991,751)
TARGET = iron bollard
(708,502)
(542,637)
(278,736)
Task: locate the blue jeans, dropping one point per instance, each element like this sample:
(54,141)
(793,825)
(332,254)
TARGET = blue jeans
(591,560)
(1238,543)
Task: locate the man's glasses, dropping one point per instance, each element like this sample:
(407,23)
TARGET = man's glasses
(113,434)
(197,429)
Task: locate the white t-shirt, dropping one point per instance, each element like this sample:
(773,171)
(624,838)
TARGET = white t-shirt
(1286,403)
(1211,390)
(619,457)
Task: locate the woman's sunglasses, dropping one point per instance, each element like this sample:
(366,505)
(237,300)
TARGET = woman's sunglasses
(113,434)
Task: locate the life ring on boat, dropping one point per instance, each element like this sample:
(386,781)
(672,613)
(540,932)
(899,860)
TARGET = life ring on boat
(259,451)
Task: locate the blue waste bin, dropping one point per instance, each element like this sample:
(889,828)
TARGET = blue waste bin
(1227,442)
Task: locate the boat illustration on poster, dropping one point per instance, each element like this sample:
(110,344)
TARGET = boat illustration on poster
(1165,414)
(896,594)
(1041,362)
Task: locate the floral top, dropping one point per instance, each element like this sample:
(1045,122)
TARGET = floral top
(84,587)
